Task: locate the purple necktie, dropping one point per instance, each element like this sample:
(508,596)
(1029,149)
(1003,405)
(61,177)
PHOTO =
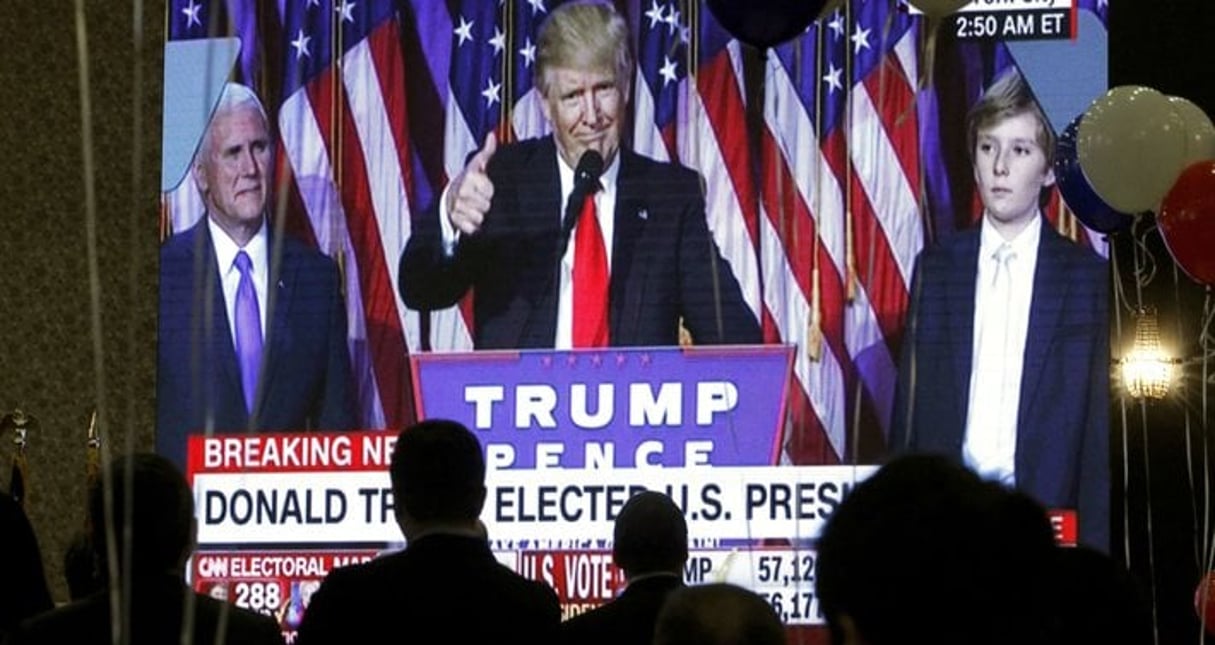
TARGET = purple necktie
(248,330)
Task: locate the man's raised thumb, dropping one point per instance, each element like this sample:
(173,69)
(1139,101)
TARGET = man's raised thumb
(487,151)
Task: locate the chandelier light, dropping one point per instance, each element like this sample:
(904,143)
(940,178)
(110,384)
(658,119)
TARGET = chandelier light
(1146,371)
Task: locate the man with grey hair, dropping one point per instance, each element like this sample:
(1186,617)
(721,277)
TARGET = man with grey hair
(252,323)
(569,240)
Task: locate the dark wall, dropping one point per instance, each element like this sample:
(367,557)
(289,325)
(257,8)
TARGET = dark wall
(47,357)
(1165,45)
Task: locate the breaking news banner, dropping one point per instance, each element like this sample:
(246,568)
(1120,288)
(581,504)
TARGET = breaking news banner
(568,438)
(275,583)
(585,580)
(546,506)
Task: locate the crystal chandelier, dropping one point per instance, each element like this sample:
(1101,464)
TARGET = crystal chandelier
(1146,371)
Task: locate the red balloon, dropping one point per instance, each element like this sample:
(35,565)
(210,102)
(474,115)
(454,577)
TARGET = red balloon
(1204,602)
(1187,221)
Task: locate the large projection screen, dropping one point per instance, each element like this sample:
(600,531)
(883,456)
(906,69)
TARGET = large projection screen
(823,166)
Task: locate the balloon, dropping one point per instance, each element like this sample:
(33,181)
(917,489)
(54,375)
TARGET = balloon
(1204,602)
(1199,132)
(938,8)
(765,23)
(1077,192)
(1187,221)
(1131,146)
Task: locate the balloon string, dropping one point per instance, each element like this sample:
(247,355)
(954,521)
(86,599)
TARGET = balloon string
(1201,538)
(1119,300)
(1208,314)
(1143,256)
(1208,551)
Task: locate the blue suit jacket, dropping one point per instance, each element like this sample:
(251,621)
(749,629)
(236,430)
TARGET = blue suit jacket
(665,264)
(305,382)
(1062,451)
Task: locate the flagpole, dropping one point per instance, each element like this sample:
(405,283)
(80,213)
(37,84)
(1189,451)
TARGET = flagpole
(814,335)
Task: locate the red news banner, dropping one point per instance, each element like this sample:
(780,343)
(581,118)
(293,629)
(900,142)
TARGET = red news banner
(277,512)
(568,438)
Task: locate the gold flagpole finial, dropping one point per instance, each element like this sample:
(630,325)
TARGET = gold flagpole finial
(20,423)
(814,333)
(92,456)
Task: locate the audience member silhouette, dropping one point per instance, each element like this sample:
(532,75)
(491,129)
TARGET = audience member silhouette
(717,614)
(23,591)
(1098,600)
(926,552)
(80,568)
(152,601)
(445,586)
(650,545)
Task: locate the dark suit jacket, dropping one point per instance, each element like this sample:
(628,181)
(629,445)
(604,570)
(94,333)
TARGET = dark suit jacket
(440,589)
(157,608)
(1062,451)
(664,261)
(306,381)
(627,620)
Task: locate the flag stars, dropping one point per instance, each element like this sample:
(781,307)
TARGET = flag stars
(528,52)
(537,6)
(346,10)
(832,78)
(492,92)
(837,25)
(191,11)
(672,20)
(312,3)
(668,71)
(464,31)
(300,45)
(656,14)
(498,41)
(860,40)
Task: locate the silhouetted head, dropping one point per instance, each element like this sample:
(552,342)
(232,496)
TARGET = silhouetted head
(23,592)
(80,568)
(717,614)
(438,476)
(651,535)
(926,552)
(149,494)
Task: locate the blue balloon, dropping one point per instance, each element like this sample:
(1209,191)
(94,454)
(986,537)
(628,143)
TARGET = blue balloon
(1077,192)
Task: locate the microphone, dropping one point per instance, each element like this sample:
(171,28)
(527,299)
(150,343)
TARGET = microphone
(586,182)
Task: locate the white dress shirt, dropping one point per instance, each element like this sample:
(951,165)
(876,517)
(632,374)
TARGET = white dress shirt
(605,210)
(229,276)
(1001,325)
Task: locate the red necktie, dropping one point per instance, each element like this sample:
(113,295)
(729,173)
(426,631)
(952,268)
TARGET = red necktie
(590,280)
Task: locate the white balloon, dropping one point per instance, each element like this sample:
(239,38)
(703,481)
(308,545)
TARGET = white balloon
(1131,146)
(938,8)
(1199,131)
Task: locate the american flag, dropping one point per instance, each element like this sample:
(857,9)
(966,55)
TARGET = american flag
(330,74)
(689,107)
(841,219)
(820,212)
